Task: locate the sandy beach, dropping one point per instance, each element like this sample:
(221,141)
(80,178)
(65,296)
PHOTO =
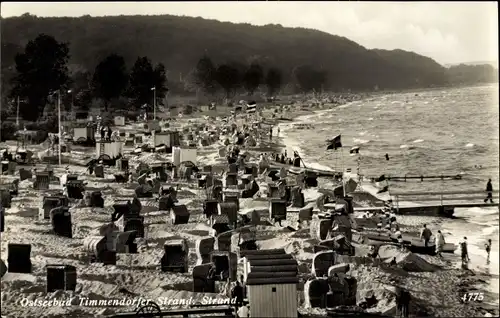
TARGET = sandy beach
(435,292)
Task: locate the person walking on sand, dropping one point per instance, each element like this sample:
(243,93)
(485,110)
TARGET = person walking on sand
(463,250)
(489,189)
(425,235)
(439,243)
(271,133)
(488,249)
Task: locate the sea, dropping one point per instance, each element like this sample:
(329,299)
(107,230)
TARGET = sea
(451,132)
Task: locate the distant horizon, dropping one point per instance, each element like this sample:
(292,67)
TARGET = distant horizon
(432,29)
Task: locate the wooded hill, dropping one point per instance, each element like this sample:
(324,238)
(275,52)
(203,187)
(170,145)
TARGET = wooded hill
(179,42)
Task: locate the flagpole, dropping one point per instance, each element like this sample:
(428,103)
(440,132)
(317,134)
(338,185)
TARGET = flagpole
(17,113)
(154,103)
(343,169)
(59,121)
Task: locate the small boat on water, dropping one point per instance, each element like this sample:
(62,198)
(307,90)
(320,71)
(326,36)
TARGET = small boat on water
(298,170)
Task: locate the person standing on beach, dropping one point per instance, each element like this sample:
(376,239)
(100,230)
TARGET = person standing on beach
(425,235)
(463,250)
(439,243)
(489,189)
(488,250)
(271,133)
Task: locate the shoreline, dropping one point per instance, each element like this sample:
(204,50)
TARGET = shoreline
(472,279)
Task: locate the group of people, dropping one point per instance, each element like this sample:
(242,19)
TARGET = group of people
(439,243)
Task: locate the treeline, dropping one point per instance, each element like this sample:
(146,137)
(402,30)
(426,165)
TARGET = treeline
(42,73)
(178,42)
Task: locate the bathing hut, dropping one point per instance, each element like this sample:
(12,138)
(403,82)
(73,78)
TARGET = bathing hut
(123,242)
(201,282)
(179,214)
(131,222)
(42,181)
(119,121)
(165,203)
(223,241)
(175,258)
(3,268)
(169,139)
(219,223)
(67,177)
(277,209)
(120,208)
(5,198)
(322,261)
(230,179)
(204,246)
(60,277)
(273,191)
(210,207)
(19,258)
(247,238)
(230,209)
(184,154)
(226,265)
(83,134)
(99,251)
(232,196)
(2,218)
(76,188)
(122,164)
(159,171)
(60,218)
(51,202)
(108,149)
(99,171)
(272,279)
(25,174)
(94,199)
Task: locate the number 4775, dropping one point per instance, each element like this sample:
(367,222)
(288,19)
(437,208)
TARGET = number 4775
(467,297)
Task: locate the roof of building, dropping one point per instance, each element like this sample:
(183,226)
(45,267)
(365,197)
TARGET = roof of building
(263,261)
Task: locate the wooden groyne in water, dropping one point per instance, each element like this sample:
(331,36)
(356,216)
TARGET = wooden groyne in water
(421,178)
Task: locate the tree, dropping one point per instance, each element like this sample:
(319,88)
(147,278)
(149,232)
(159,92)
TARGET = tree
(307,78)
(229,78)
(204,76)
(81,91)
(274,80)
(253,78)
(160,81)
(41,69)
(110,79)
(141,81)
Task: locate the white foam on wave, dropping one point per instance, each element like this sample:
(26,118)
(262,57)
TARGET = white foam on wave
(362,133)
(403,146)
(371,118)
(418,141)
(360,141)
(469,145)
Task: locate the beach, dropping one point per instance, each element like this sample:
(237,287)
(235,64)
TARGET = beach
(434,293)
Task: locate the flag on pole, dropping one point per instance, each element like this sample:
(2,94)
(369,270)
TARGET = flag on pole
(354,150)
(334,143)
(69,91)
(153,88)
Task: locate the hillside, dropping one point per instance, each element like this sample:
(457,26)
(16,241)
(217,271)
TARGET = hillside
(179,42)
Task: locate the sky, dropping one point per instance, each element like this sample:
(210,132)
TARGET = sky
(448,32)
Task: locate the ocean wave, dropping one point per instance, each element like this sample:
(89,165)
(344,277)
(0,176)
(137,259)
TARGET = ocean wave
(418,141)
(360,141)
(469,145)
